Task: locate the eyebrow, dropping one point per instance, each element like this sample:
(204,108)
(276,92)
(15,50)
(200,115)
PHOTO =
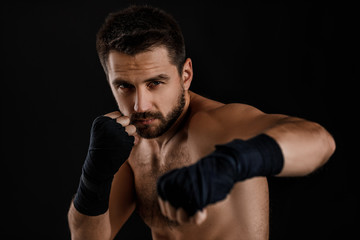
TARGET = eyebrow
(163,77)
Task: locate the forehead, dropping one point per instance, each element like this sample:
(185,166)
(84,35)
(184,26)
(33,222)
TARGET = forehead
(140,65)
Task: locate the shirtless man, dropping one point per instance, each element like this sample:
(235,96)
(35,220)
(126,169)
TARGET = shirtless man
(192,167)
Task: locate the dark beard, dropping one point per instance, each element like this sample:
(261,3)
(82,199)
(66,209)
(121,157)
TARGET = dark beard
(147,131)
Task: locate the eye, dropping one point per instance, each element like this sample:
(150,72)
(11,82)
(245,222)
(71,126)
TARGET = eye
(124,86)
(154,84)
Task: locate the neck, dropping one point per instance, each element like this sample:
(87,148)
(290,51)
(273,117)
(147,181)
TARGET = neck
(164,139)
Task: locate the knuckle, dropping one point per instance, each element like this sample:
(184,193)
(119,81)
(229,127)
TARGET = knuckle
(130,129)
(124,121)
(114,114)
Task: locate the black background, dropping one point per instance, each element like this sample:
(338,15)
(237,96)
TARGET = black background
(296,59)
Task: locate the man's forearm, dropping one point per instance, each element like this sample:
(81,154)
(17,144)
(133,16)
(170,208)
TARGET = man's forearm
(110,146)
(305,145)
(88,227)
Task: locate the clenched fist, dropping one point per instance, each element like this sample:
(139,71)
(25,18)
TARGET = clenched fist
(111,142)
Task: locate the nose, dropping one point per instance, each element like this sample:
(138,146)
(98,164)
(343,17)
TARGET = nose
(142,101)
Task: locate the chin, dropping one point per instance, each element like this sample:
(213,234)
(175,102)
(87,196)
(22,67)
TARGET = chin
(149,132)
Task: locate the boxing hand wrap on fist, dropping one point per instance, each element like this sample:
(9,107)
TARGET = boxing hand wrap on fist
(109,148)
(211,179)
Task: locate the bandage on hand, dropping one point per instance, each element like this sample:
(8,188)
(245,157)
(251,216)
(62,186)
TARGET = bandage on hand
(110,146)
(211,179)
(194,187)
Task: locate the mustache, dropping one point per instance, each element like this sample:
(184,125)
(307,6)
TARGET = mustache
(145,115)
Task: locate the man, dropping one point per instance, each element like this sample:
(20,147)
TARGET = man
(192,167)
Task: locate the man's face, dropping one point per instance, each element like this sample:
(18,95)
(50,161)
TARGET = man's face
(148,89)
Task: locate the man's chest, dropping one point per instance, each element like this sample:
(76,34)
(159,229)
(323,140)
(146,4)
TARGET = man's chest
(148,165)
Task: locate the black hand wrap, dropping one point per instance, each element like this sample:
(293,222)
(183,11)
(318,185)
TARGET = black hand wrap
(212,178)
(109,148)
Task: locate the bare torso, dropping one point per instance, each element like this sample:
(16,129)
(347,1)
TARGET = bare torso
(242,215)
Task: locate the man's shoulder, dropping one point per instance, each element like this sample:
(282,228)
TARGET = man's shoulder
(234,110)
(200,104)
(223,117)
(204,109)
(221,122)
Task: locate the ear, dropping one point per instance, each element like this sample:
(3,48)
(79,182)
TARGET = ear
(187,74)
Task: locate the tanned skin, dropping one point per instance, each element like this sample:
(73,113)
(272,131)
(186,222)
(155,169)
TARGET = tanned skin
(148,82)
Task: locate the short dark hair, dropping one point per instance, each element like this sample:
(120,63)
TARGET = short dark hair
(138,29)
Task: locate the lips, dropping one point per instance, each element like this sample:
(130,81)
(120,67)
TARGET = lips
(145,118)
(144,121)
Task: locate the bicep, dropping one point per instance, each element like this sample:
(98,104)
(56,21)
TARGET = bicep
(229,122)
(122,201)
(240,121)
(247,121)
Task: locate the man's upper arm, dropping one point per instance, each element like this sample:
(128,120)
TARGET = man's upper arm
(231,121)
(244,121)
(122,201)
